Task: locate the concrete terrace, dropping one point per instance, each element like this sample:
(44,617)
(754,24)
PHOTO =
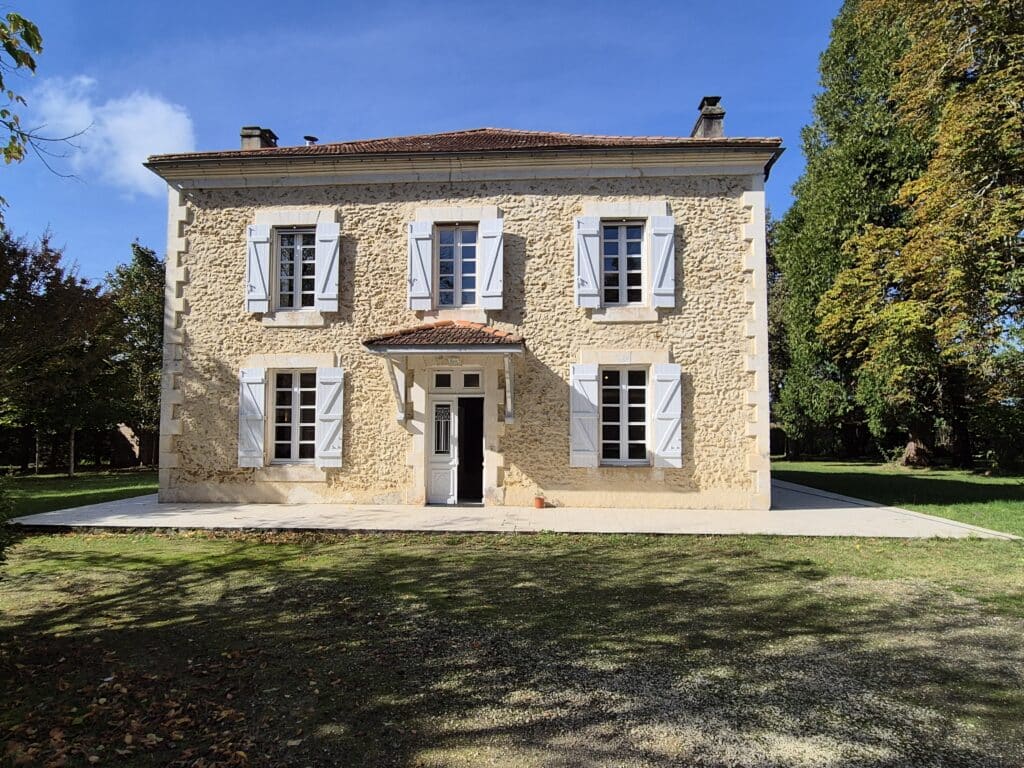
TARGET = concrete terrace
(797,511)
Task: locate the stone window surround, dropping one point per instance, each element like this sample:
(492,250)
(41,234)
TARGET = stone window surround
(636,210)
(293,473)
(294,217)
(457,215)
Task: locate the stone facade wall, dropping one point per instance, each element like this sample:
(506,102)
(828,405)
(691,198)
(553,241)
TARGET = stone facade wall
(709,333)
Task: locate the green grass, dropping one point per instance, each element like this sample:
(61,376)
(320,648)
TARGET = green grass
(991,502)
(535,650)
(43,493)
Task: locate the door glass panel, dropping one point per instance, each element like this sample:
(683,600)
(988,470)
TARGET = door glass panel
(442,428)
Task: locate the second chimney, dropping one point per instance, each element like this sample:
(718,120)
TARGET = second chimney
(254,137)
(710,122)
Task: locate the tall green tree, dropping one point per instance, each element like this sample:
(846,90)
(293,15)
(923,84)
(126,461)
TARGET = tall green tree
(858,155)
(930,308)
(136,294)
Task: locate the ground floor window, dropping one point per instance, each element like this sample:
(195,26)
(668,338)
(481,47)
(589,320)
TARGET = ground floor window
(294,416)
(623,416)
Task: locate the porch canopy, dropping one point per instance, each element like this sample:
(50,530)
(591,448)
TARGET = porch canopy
(444,337)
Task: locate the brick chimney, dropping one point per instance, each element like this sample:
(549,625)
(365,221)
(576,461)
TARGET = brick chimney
(710,122)
(254,137)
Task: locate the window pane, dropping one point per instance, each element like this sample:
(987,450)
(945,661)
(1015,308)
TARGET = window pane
(611,396)
(446,267)
(637,451)
(284,415)
(309,238)
(307,380)
(287,240)
(307,397)
(611,247)
(634,296)
(447,282)
(446,299)
(283,397)
(287,269)
(448,252)
(611,279)
(610,432)
(284,380)
(468,297)
(637,413)
(468,252)
(610,413)
(286,300)
(469,235)
(282,433)
(282,451)
(307,299)
(307,451)
(611,233)
(633,248)
(611,265)
(308,434)
(443,380)
(610,450)
(609,377)
(469,268)
(637,432)
(307,416)
(447,236)
(634,232)
(636,396)
(471,380)
(469,281)
(611,296)
(308,282)
(308,269)
(637,378)
(633,264)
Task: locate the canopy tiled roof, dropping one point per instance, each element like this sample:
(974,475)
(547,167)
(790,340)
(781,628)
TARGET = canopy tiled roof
(478,140)
(445,333)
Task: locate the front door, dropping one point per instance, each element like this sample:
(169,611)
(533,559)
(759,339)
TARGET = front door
(442,468)
(471,450)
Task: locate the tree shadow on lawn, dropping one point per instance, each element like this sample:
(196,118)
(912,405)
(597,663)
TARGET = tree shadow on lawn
(901,489)
(453,652)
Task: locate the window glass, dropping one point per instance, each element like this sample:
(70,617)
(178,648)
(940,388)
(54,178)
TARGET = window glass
(456,266)
(296,269)
(622,263)
(623,414)
(442,428)
(471,380)
(294,428)
(442,380)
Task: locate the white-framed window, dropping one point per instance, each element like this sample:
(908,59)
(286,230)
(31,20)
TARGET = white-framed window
(294,422)
(456,265)
(622,263)
(295,267)
(623,416)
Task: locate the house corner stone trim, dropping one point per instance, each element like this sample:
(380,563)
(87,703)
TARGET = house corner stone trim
(175,305)
(756,333)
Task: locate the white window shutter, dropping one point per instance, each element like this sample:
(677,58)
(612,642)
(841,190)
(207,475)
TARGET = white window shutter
(583,415)
(252,398)
(328,255)
(492,262)
(588,261)
(257,268)
(421,265)
(668,415)
(663,261)
(330,408)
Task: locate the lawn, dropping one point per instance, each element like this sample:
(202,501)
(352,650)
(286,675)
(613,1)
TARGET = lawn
(505,650)
(991,502)
(42,493)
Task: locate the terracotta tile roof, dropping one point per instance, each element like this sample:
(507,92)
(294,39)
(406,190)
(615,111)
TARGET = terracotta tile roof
(476,140)
(445,333)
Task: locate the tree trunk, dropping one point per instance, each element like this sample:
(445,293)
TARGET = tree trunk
(916,453)
(71,453)
(35,466)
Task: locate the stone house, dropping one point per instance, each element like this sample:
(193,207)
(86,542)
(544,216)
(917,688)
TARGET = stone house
(475,316)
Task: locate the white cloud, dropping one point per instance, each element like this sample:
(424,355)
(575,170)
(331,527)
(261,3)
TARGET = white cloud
(119,133)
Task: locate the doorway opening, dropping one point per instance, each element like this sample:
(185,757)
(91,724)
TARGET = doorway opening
(471,450)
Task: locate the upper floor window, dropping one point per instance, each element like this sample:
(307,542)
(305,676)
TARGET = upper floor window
(456,266)
(622,263)
(295,251)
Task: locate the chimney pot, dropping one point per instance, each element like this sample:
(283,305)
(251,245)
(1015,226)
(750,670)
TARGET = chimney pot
(255,137)
(311,140)
(710,121)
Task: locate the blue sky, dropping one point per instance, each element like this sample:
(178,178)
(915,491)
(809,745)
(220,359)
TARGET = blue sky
(150,77)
